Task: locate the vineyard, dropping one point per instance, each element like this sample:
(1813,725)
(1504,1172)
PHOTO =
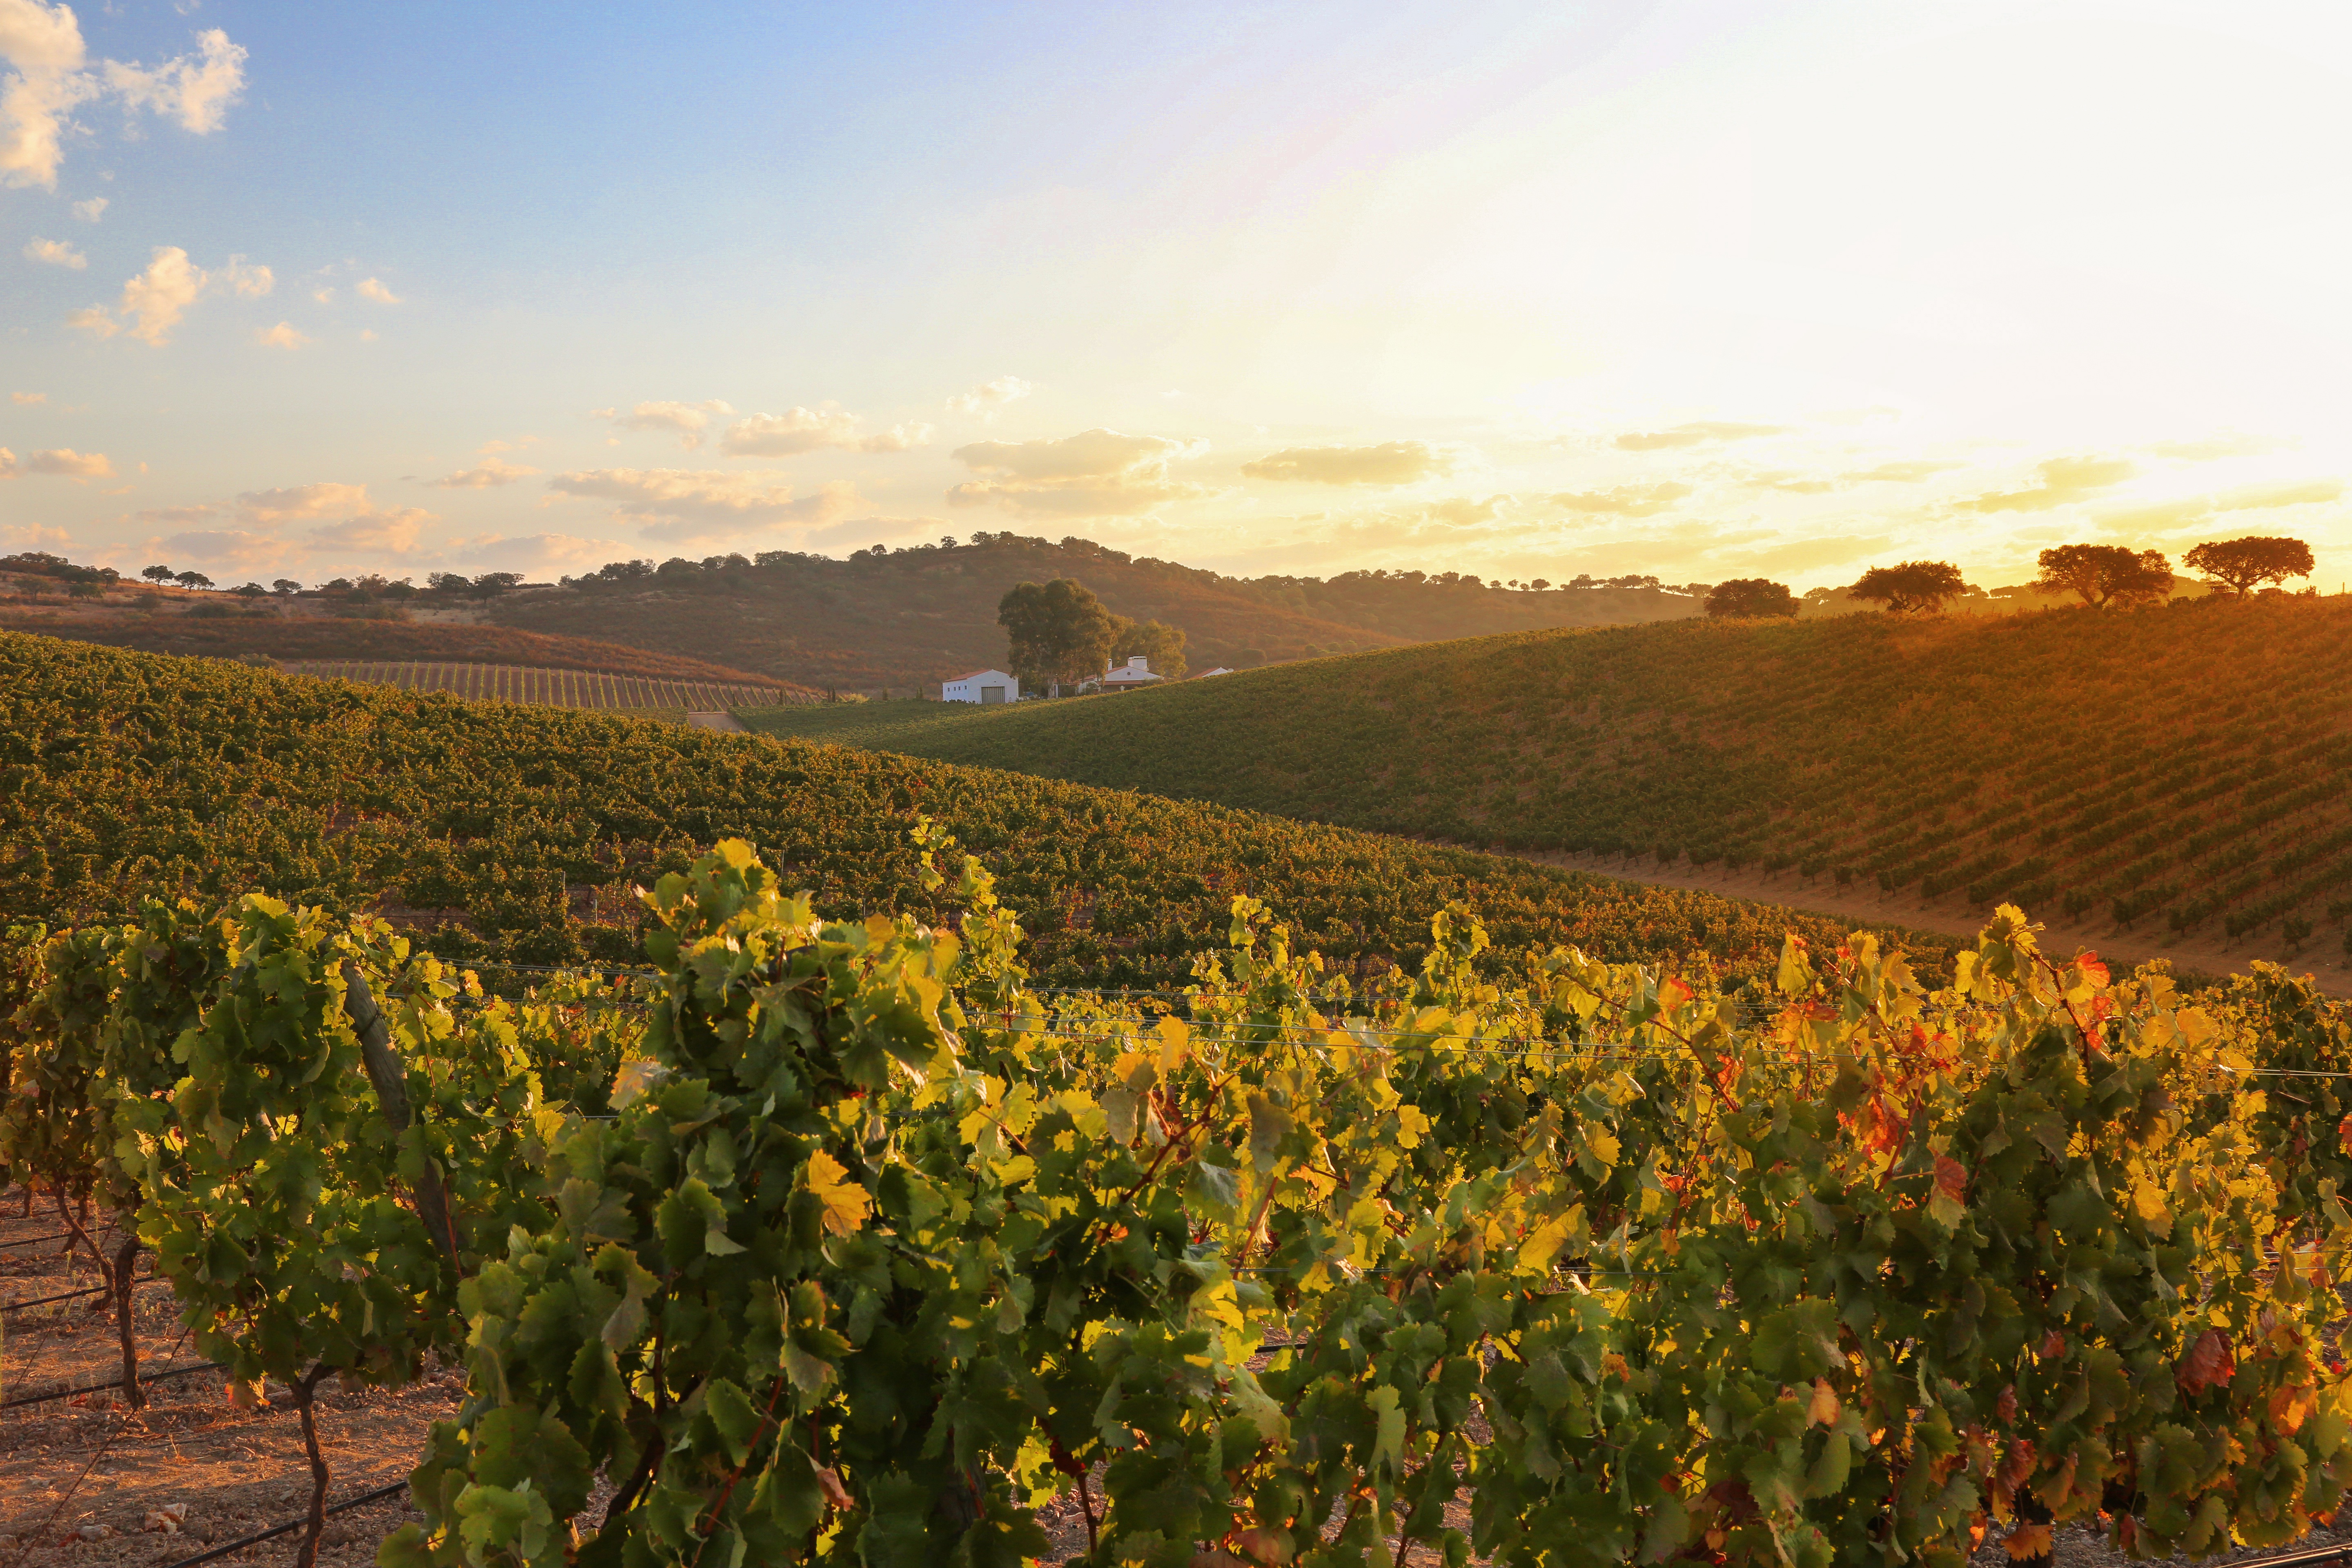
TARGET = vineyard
(547,687)
(2184,769)
(270,633)
(500,831)
(844,1241)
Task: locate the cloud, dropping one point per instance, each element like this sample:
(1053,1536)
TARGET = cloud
(56,252)
(374,532)
(2165,516)
(491,474)
(194,90)
(302,503)
(323,296)
(688,419)
(991,395)
(47,79)
(153,301)
(541,553)
(373,289)
(2224,446)
(1625,501)
(809,430)
(2063,480)
(34,535)
(281,336)
(1904,473)
(1097,473)
(29,397)
(1700,433)
(63,461)
(1465,512)
(1390,463)
(235,547)
(679,504)
(91,210)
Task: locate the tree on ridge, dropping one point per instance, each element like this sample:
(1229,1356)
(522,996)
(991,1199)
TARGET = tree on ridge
(2241,566)
(1055,631)
(1909,586)
(1750,596)
(2105,575)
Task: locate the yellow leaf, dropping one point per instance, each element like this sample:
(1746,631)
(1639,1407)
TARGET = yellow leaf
(2028,1541)
(1411,1125)
(2148,1199)
(1823,1409)
(1175,1040)
(845,1203)
(1604,1145)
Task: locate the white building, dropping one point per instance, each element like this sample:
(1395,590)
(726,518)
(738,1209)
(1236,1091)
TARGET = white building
(1135,672)
(981,686)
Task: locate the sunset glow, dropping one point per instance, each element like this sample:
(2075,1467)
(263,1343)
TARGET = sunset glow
(1703,291)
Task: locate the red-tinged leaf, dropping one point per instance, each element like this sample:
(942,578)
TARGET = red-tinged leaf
(2053,1343)
(1673,994)
(1951,1178)
(2007,1404)
(2208,1362)
(2093,970)
(2028,1541)
(2344,1133)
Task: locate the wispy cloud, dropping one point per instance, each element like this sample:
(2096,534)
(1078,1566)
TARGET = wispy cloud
(2063,480)
(687,421)
(798,430)
(1097,473)
(1389,463)
(1700,433)
(680,504)
(489,475)
(1625,501)
(373,289)
(62,461)
(991,395)
(55,253)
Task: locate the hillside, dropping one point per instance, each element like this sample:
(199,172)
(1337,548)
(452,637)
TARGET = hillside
(903,620)
(299,632)
(2182,774)
(520,832)
(547,688)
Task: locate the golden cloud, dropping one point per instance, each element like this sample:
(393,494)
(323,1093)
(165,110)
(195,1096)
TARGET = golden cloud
(1095,473)
(1704,432)
(1389,463)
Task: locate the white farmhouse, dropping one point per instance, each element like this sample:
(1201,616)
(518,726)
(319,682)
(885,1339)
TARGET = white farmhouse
(981,686)
(1135,672)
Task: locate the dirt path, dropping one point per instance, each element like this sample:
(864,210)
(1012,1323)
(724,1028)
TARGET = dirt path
(715,721)
(2205,951)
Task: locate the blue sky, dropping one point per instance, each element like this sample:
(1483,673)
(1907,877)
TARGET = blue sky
(1702,289)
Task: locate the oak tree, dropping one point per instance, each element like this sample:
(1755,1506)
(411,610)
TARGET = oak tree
(1911,585)
(2105,575)
(1750,596)
(2241,566)
(1055,631)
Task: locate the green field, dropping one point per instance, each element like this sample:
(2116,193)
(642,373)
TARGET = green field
(2185,768)
(520,832)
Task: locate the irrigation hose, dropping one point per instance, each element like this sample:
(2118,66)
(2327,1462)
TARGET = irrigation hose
(270,1534)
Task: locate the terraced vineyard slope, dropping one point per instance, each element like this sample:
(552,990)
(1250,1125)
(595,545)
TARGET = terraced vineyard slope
(2183,771)
(523,832)
(548,688)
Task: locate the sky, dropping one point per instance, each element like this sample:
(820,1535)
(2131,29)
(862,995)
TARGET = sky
(1702,289)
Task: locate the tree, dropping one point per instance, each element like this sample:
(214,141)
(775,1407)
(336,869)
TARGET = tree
(285,586)
(87,588)
(191,580)
(252,591)
(1055,631)
(1911,585)
(2106,575)
(160,574)
(490,585)
(2241,566)
(1162,645)
(1745,597)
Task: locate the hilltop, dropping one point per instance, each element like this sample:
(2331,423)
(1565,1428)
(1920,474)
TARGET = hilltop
(520,833)
(2182,775)
(904,620)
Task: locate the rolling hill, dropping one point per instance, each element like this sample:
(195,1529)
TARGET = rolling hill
(522,833)
(296,632)
(2182,773)
(905,619)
